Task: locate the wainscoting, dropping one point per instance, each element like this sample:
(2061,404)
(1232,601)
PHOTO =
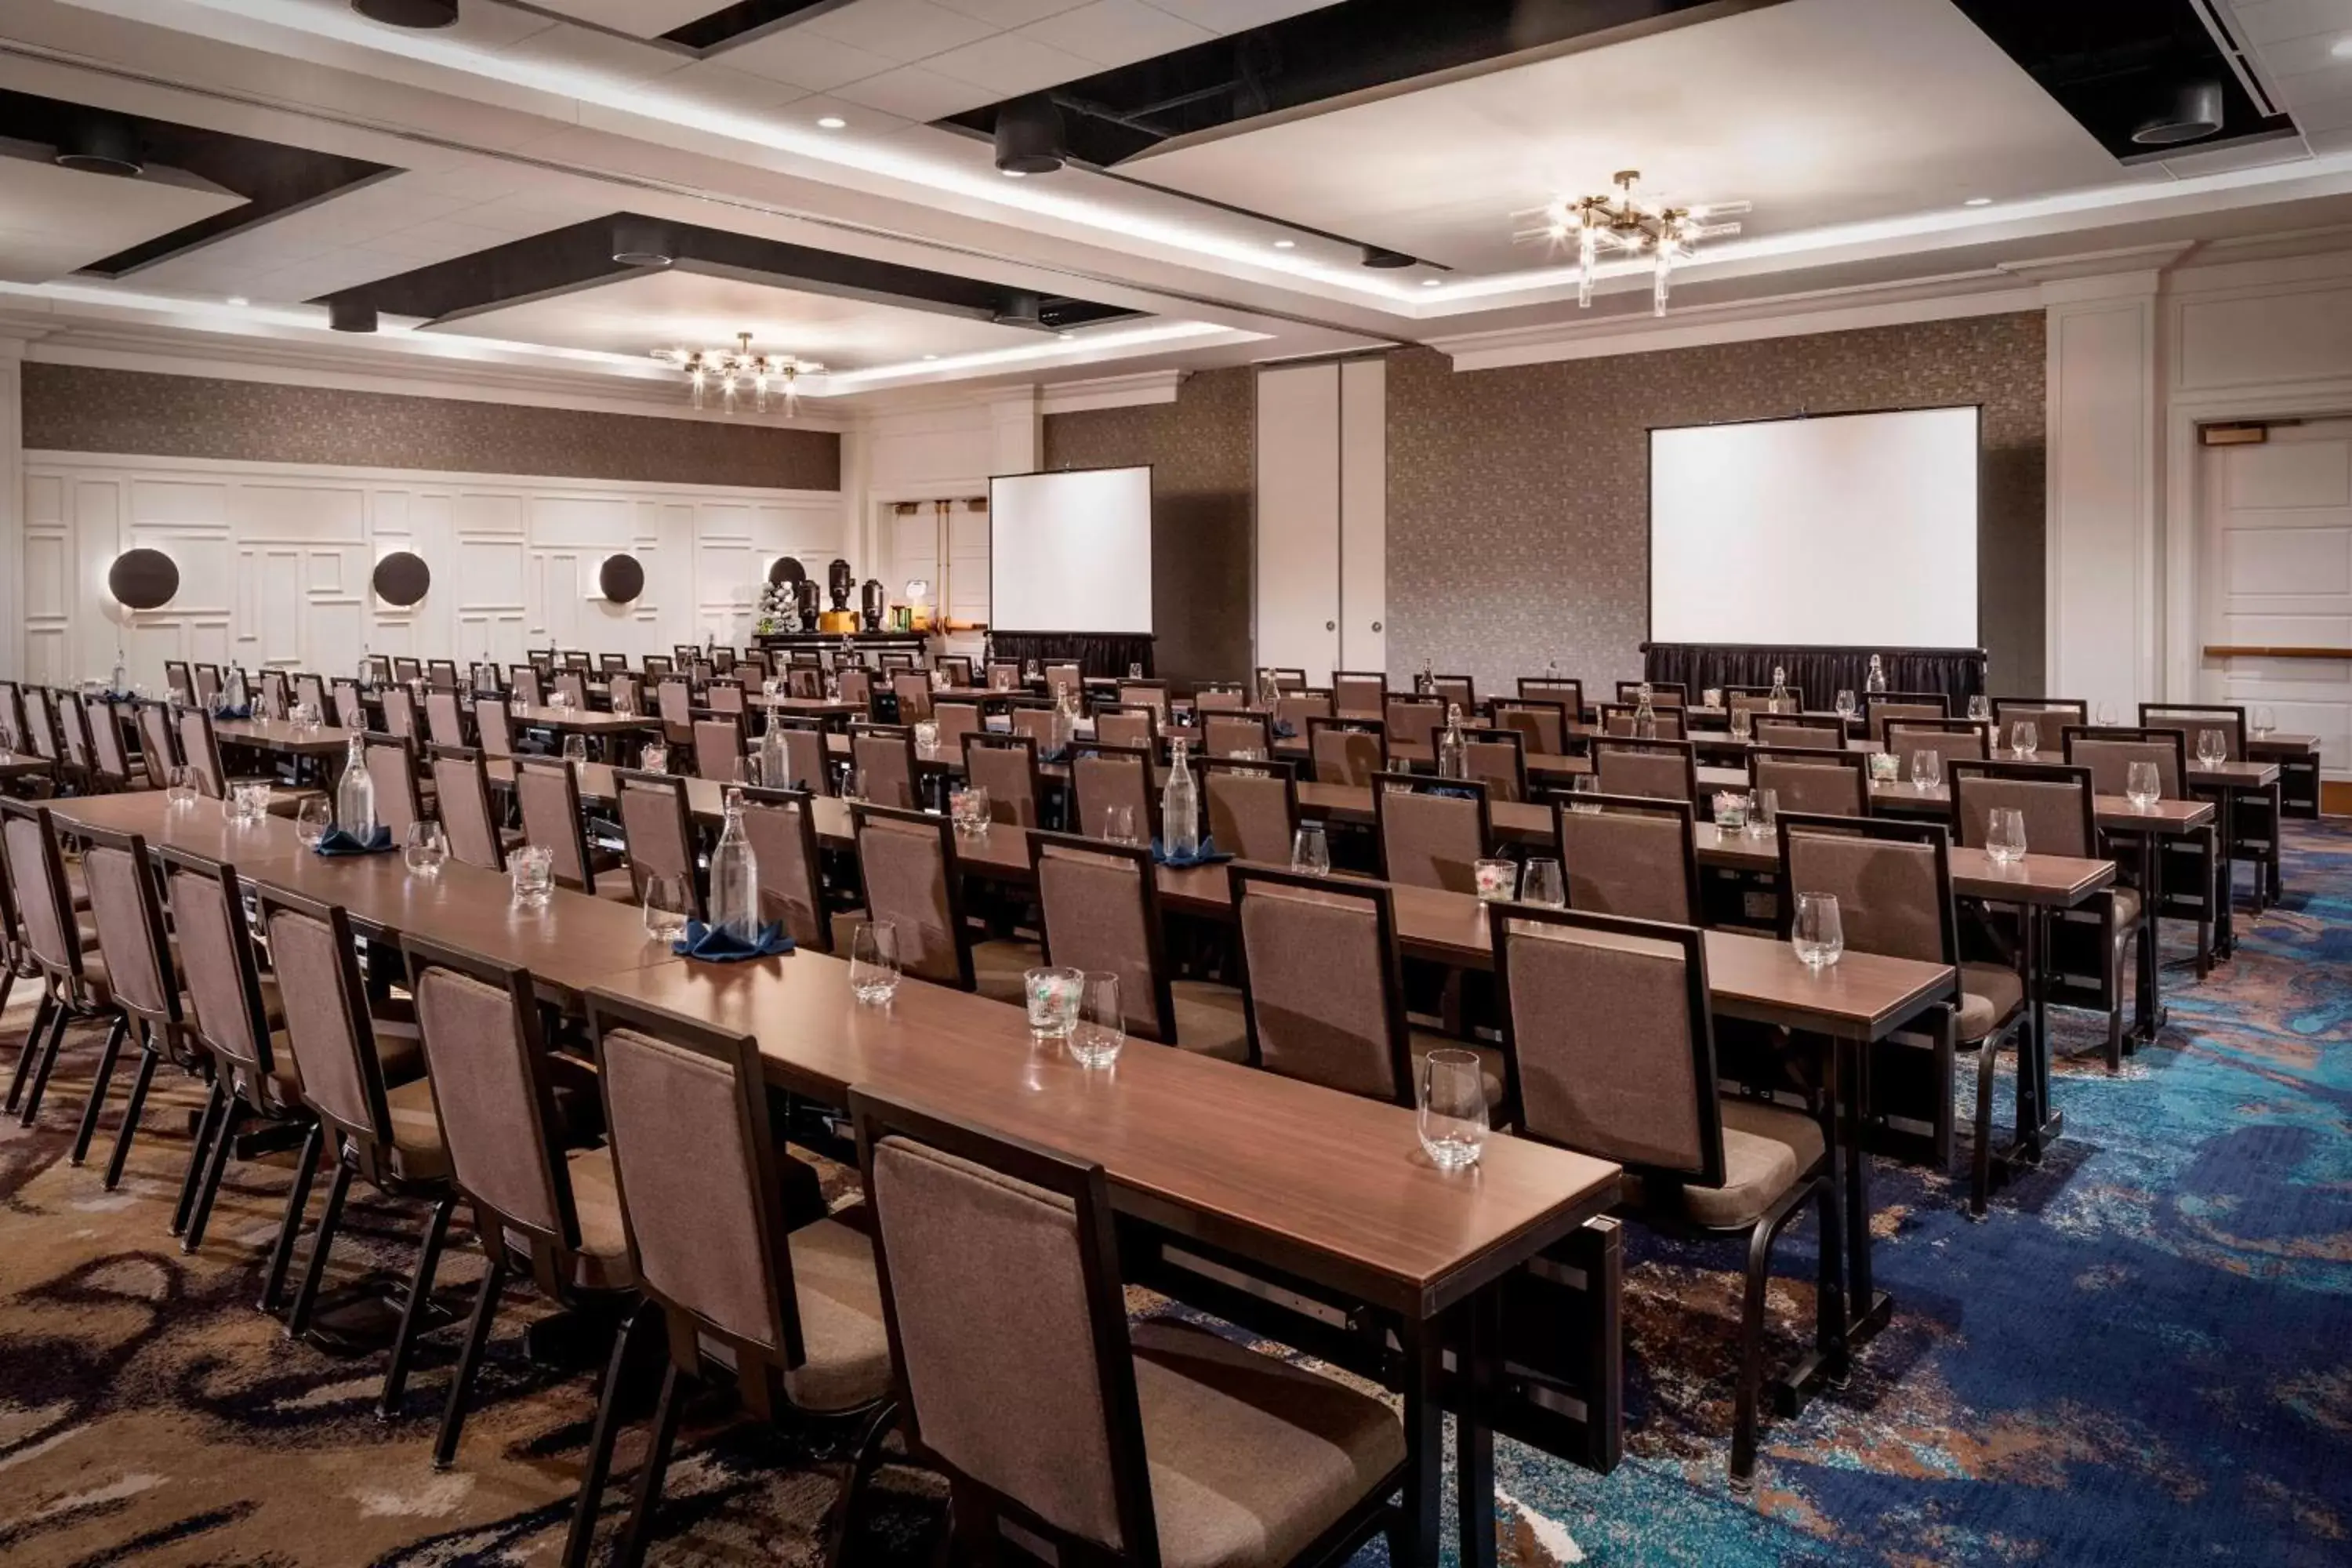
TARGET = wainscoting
(274,561)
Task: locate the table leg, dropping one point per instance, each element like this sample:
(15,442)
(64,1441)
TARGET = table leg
(1868,1309)
(2151,891)
(1424,1440)
(1473,1439)
(2225,871)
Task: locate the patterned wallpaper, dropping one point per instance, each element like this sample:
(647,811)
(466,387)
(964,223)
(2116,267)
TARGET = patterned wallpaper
(1518,531)
(1203,457)
(69,408)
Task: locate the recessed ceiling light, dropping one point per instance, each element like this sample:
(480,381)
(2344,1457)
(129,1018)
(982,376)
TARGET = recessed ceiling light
(1069,334)
(1978,201)
(931,357)
(240,299)
(1286,245)
(1015,174)
(1431,282)
(832,123)
(2343,49)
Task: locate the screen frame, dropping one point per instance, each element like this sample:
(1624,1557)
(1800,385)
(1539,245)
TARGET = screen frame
(1650,505)
(1151,521)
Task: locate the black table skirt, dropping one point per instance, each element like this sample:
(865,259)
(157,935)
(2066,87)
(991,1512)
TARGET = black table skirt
(1820,673)
(1096,653)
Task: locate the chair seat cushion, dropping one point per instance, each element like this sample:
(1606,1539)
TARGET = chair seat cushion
(417,1151)
(1210,1020)
(1990,993)
(603,1263)
(1490,1063)
(1251,1457)
(2127,909)
(997,968)
(842,1331)
(1766,1148)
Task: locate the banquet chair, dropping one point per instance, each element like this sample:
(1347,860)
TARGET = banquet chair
(208,684)
(1431,833)
(1757,702)
(1231,734)
(719,748)
(1610,1046)
(1006,767)
(1617,719)
(1460,690)
(913,691)
(724,697)
(1542,725)
(547,794)
(75,987)
(624,694)
(1002,674)
(1128,726)
(957,720)
(572,683)
(2186,863)
(1219,697)
(38,733)
(612,663)
(1036,720)
(110,764)
(956,667)
(1951,739)
(810,763)
(400,714)
(2254,814)
(392,768)
(659,665)
(178,678)
(2048,715)
(1360,694)
(1253,807)
(269,699)
(1102,777)
(804,680)
(77,767)
(1347,751)
(1661,770)
(159,750)
(525,687)
(405,671)
(1412,721)
(1021,1378)
(1882,709)
(142,978)
(907,860)
(493,727)
(1296,708)
(461,791)
(350,706)
(441,674)
(1664,694)
(780,826)
(445,721)
(1286,678)
(379,668)
(1061,678)
(1102,915)
(1628,856)
(657,832)
(1798,732)
(1497,759)
(1568,694)
(1820,784)
(886,771)
(674,704)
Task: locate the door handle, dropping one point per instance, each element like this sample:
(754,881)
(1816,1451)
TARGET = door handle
(1331,626)
(1376,626)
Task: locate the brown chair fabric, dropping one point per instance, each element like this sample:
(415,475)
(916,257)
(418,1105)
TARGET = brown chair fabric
(157,750)
(805,755)
(1429,840)
(1292,709)
(1887,891)
(1627,863)
(1884,713)
(392,768)
(463,797)
(1952,745)
(1800,735)
(549,797)
(40,903)
(1822,788)
(212,968)
(1318,988)
(792,888)
(117,884)
(719,749)
(1007,770)
(957,720)
(1349,757)
(1231,734)
(1100,916)
(444,720)
(1250,814)
(655,829)
(2110,762)
(319,1037)
(200,751)
(491,716)
(1132,727)
(1655,775)
(1358,696)
(486,1096)
(399,713)
(2053,812)
(885,768)
(1542,725)
(1414,721)
(906,870)
(1106,779)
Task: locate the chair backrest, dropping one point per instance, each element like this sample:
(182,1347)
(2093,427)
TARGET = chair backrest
(1324,988)
(106,754)
(1542,725)
(609,663)
(399,713)
(1412,721)
(1799,732)
(176,677)
(2047,714)
(1037,724)
(1664,694)
(1497,759)
(37,888)
(1657,769)
(957,720)
(1229,735)
(908,860)
(1219,697)
(200,751)
(1822,784)
(913,691)
(1062,678)
(884,760)
(1101,905)
(1608,1038)
(407,670)
(805,757)
(39,734)
(719,749)
(1617,719)
(1126,726)
(856,686)
(216,963)
(379,668)
(209,683)
(127,907)
(2194,720)
(526,688)
(1758,700)
(445,721)
(1104,776)
(1459,689)
(392,768)
(570,683)
(1360,694)
(441,674)
(1253,807)
(1892,880)
(1294,709)
(73,730)
(1568,694)
(2109,753)
(804,680)
(658,665)
(1953,740)
(1888,707)
(1006,767)
(1432,832)
(956,667)
(462,789)
(1284,678)
(495,726)
(2055,802)
(329,1032)
(547,789)
(1347,751)
(159,749)
(781,824)
(658,830)
(1151,694)
(624,693)
(1629,857)
(1002,674)
(724,697)
(350,707)
(1008,1323)
(723,660)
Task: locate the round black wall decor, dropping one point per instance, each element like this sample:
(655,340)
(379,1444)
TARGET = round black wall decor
(621,578)
(144,579)
(788,569)
(402,578)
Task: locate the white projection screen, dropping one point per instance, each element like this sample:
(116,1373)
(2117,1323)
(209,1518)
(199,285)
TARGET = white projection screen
(1070,552)
(1852,529)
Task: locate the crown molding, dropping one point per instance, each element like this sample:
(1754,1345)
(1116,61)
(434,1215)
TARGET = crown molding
(1110,392)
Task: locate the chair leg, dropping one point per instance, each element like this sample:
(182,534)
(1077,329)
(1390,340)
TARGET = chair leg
(648,1496)
(863,1462)
(637,1330)
(97,1086)
(331,1220)
(50,1050)
(298,1208)
(233,1110)
(1980,1177)
(202,1144)
(1751,1357)
(135,1108)
(412,1314)
(469,1361)
(32,1048)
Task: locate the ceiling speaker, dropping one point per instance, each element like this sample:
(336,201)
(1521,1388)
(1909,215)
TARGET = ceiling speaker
(102,144)
(636,242)
(1020,310)
(788,569)
(143,579)
(402,578)
(351,316)
(409,12)
(1029,136)
(2194,113)
(1382,257)
(621,579)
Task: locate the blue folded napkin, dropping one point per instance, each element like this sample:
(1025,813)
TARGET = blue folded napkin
(118,696)
(1207,854)
(1452,793)
(1285,730)
(337,842)
(1058,755)
(244,712)
(712,944)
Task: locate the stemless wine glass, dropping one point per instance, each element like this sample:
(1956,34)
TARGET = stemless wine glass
(2103,716)
(2212,749)
(1743,722)
(654,758)
(874,962)
(1053,996)
(1927,769)
(1979,708)
(2143,786)
(252,801)
(1452,1097)
(576,750)
(2265,720)
(1845,708)
(1817,935)
(1498,880)
(2005,834)
(311,820)
(1763,806)
(1542,885)
(532,868)
(1101,1029)
(927,735)
(853,785)
(667,907)
(2024,738)
(1310,850)
(1118,824)
(180,788)
(1135,672)
(426,848)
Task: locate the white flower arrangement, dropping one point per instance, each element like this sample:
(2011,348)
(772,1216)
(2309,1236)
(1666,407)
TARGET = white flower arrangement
(780,612)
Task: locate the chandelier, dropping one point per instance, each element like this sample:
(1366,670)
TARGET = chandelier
(736,371)
(1629,224)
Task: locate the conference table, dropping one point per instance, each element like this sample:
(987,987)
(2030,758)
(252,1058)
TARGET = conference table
(1312,1184)
(24,765)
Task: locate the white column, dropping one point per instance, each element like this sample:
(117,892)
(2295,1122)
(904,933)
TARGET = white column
(2106,462)
(12,508)
(1363,515)
(1017,430)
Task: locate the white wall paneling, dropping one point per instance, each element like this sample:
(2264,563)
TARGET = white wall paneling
(276,562)
(1363,515)
(1298,519)
(14,508)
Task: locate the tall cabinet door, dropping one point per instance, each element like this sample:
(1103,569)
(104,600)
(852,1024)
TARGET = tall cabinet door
(1363,515)
(1298,485)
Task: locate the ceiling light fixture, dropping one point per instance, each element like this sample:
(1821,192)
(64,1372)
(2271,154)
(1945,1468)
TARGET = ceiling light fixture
(1381,256)
(1286,245)
(409,12)
(639,243)
(2194,113)
(1978,201)
(1021,309)
(1030,138)
(1631,224)
(734,370)
(351,316)
(831,122)
(2343,49)
(1431,282)
(239,300)
(1015,174)
(100,144)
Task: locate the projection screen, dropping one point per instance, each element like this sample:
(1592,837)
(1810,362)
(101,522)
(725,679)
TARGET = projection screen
(1854,528)
(1070,552)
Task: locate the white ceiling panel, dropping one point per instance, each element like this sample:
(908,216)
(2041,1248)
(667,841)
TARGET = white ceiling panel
(916,92)
(798,57)
(681,308)
(1235,16)
(722,86)
(1819,111)
(53,221)
(1011,13)
(901,30)
(1012,63)
(642,18)
(1118,32)
(587,49)
(2272,21)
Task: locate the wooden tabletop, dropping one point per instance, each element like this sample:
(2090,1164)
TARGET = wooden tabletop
(813,707)
(2249,774)
(583,721)
(16,765)
(1262,1165)
(200,827)
(280,735)
(2275,744)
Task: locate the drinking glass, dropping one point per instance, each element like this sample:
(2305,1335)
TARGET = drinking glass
(1979,708)
(576,750)
(252,801)
(311,822)
(1135,672)
(1927,769)
(1498,880)
(1118,824)
(1743,722)
(2265,721)
(654,758)
(1451,1095)
(853,785)
(1763,806)
(621,707)
(970,810)
(1101,1028)
(2024,738)
(667,907)
(1542,884)
(2142,785)
(1845,709)
(1817,935)
(1029,670)
(1053,1002)
(1730,811)
(180,788)
(1584,784)
(2212,751)
(2103,716)
(2005,834)
(426,848)
(1712,698)
(1886,767)
(532,868)
(874,962)
(1310,850)
(926,734)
